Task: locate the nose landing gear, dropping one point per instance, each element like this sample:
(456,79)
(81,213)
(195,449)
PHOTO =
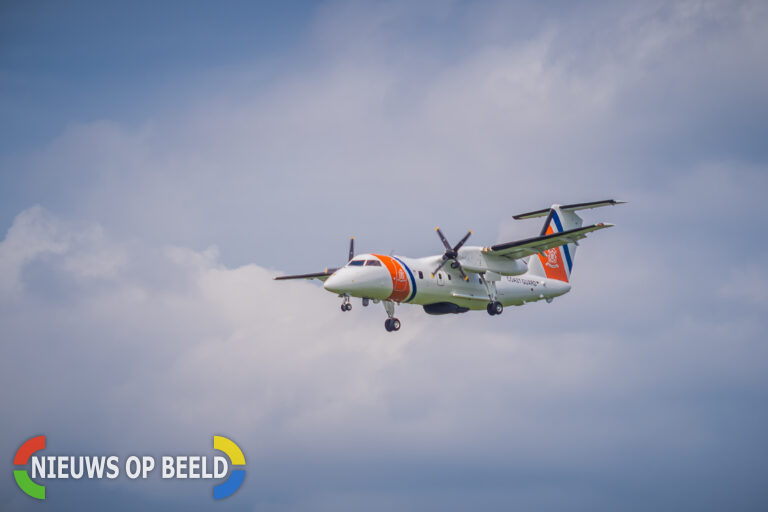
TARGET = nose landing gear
(345,304)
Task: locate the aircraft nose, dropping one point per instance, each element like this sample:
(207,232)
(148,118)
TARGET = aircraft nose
(336,283)
(371,282)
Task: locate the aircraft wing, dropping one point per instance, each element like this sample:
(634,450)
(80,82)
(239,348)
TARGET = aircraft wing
(322,276)
(529,246)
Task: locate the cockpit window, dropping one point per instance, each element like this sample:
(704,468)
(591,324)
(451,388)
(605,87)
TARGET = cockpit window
(356,263)
(372,263)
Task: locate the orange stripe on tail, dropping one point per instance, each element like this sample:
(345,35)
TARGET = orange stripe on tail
(552,261)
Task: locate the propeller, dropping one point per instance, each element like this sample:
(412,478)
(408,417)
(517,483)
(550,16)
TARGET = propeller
(351,248)
(451,253)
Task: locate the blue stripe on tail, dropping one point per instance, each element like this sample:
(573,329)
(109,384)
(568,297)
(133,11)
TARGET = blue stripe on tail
(565,247)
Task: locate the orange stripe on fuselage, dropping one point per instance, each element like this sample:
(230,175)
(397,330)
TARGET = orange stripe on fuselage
(401,288)
(552,261)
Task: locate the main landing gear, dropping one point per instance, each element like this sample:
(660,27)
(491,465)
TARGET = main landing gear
(391,323)
(494,308)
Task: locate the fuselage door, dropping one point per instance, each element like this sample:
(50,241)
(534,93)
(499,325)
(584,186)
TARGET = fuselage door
(440,279)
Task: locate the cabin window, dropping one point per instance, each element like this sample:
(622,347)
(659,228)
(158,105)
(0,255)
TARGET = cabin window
(356,263)
(372,263)
(449,276)
(421,274)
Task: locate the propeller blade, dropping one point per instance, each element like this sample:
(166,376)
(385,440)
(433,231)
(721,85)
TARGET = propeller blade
(461,271)
(351,248)
(439,267)
(461,242)
(445,242)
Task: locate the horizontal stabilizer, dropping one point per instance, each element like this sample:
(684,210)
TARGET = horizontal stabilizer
(568,208)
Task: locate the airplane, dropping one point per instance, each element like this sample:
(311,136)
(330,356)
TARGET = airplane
(466,278)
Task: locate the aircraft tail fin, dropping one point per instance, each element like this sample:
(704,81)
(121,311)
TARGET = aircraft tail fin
(557,263)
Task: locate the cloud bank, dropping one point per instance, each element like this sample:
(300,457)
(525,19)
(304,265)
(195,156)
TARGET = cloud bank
(138,310)
(162,346)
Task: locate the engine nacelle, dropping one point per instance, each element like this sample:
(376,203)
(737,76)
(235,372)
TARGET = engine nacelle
(474,259)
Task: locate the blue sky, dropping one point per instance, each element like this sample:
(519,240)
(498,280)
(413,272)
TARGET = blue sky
(160,164)
(84,61)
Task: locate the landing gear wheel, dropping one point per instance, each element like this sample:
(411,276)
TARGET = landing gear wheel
(392,324)
(494,308)
(346,306)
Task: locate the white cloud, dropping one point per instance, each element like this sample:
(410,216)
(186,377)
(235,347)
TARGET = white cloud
(30,236)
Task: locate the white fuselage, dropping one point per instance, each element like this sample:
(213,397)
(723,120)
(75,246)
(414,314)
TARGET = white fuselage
(410,280)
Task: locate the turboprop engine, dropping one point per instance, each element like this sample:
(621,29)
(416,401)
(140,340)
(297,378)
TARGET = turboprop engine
(475,260)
